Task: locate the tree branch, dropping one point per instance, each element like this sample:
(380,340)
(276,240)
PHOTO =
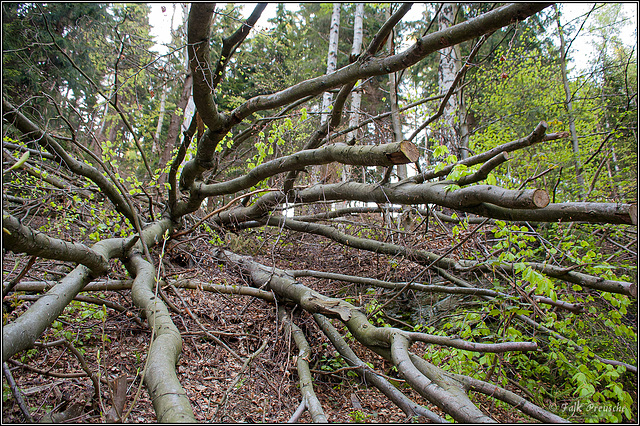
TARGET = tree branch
(22,239)
(33,132)
(364,68)
(170,401)
(302,362)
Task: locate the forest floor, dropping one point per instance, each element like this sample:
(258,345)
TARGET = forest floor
(219,386)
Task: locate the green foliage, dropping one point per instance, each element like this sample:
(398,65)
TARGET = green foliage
(334,363)
(358,416)
(569,381)
(523,87)
(75,316)
(31,64)
(6,391)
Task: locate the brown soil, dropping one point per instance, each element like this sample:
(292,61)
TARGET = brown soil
(267,390)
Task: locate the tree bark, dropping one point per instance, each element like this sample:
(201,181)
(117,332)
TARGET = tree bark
(22,239)
(356,94)
(441,388)
(24,331)
(447,70)
(332,58)
(396,122)
(175,122)
(156,136)
(170,401)
(365,67)
(569,107)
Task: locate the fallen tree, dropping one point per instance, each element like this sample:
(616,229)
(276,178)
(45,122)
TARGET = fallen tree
(153,219)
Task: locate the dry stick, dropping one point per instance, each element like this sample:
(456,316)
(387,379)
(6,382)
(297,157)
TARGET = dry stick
(115,285)
(48,373)
(296,415)
(112,285)
(204,329)
(625,248)
(17,279)
(169,303)
(80,357)
(539,175)
(16,392)
(248,361)
(88,299)
(412,280)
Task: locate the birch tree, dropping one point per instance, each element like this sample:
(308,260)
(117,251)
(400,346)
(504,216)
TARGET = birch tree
(447,70)
(332,56)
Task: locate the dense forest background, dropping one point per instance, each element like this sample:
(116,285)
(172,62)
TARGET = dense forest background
(273,223)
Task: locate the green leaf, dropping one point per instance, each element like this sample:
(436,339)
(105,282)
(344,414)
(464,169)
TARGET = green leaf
(23,159)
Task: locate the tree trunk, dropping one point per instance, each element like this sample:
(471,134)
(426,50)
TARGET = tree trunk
(332,57)
(175,124)
(396,123)
(156,136)
(356,95)
(569,106)
(179,122)
(447,70)
(233,177)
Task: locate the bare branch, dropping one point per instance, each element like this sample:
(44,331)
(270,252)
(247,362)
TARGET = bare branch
(33,132)
(22,239)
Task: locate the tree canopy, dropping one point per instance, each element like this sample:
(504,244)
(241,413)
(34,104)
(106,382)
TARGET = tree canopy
(458,230)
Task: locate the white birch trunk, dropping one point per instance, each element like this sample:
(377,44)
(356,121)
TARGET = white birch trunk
(447,70)
(191,106)
(332,58)
(396,123)
(356,94)
(156,137)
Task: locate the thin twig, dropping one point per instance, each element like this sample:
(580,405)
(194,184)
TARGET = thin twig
(17,279)
(16,392)
(233,384)
(411,281)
